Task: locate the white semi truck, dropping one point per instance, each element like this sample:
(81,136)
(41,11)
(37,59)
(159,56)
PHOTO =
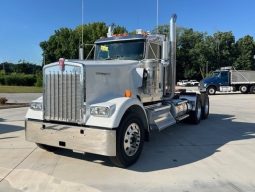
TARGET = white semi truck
(111,105)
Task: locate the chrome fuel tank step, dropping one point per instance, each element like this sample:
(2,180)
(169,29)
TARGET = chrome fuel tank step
(159,117)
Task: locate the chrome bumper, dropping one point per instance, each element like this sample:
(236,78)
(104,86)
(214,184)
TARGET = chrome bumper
(92,140)
(202,89)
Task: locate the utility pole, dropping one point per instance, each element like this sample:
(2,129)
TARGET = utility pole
(157,18)
(81,47)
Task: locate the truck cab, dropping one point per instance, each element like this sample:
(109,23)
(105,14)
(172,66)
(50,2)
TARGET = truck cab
(110,105)
(220,78)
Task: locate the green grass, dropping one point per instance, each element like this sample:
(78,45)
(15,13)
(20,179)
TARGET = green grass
(20,89)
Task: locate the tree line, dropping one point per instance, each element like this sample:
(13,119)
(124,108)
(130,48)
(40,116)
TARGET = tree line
(198,54)
(21,74)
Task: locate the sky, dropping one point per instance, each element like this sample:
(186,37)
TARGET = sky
(26,23)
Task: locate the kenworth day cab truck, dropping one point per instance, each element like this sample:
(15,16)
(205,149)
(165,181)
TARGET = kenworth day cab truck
(111,105)
(227,79)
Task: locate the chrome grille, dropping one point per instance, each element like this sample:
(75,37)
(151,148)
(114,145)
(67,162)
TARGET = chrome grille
(63,98)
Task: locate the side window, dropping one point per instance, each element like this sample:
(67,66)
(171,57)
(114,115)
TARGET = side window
(154,51)
(224,75)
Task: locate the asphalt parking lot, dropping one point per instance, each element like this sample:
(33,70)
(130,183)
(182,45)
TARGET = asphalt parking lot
(218,155)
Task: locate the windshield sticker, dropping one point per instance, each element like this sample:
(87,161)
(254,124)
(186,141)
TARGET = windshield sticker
(104,48)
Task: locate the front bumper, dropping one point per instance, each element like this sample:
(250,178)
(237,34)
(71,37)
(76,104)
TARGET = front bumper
(201,88)
(84,139)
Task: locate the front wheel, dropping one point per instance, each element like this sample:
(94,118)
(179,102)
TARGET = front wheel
(129,141)
(211,90)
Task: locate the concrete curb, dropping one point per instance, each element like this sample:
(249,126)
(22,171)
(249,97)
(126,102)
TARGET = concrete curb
(13,105)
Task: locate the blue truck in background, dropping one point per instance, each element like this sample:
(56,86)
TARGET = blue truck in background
(227,79)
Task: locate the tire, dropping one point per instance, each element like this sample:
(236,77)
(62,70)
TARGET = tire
(195,116)
(46,147)
(211,90)
(243,89)
(252,89)
(129,141)
(206,107)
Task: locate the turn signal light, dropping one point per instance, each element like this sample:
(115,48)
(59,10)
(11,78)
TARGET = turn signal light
(128,93)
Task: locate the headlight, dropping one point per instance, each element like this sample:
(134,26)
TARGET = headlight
(102,111)
(36,106)
(205,85)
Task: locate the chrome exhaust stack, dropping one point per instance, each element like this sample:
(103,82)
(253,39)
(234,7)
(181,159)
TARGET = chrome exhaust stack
(170,70)
(81,53)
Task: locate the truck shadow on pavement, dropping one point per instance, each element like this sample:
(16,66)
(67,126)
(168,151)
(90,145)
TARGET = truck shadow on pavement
(5,128)
(182,144)
(227,93)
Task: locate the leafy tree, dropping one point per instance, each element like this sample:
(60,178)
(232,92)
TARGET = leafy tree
(190,54)
(224,48)
(26,68)
(91,32)
(119,30)
(245,53)
(64,43)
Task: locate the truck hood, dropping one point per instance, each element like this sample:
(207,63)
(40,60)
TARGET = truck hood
(209,80)
(105,62)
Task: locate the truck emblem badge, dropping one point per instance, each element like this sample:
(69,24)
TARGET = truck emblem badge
(61,63)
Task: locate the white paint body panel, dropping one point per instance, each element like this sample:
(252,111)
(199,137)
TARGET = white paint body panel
(122,104)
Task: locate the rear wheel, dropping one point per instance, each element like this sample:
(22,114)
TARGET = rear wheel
(252,89)
(211,90)
(129,141)
(243,88)
(205,107)
(195,116)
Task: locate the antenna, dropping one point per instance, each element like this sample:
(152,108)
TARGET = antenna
(81,51)
(82,11)
(157,16)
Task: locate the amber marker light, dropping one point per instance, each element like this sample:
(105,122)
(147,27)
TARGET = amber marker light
(128,93)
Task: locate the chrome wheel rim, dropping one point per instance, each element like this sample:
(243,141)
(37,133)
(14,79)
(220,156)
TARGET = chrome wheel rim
(132,139)
(243,89)
(211,91)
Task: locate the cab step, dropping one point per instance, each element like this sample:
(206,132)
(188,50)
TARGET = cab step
(159,117)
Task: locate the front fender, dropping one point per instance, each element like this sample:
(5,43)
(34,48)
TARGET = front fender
(122,104)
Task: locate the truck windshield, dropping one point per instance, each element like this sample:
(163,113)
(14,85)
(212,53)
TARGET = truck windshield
(216,73)
(125,50)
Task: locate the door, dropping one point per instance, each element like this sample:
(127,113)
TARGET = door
(224,78)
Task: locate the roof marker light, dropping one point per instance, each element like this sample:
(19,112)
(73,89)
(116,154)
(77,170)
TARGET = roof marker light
(61,63)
